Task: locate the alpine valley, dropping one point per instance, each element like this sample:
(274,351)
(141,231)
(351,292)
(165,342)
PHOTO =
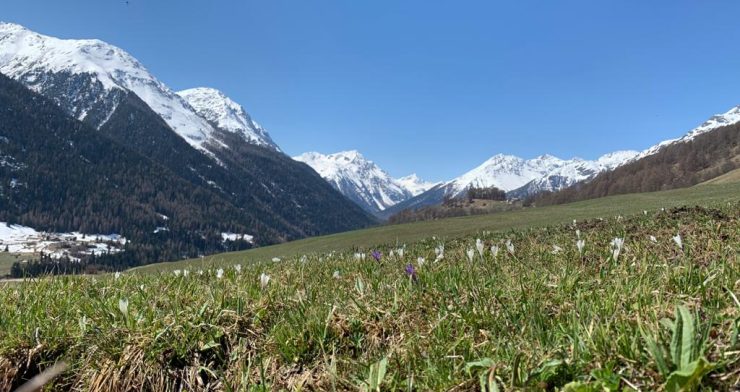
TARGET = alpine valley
(91,142)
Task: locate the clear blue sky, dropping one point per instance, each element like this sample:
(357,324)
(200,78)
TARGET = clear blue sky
(434,87)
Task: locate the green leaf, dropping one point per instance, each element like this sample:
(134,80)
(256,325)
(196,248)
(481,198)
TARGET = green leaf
(655,352)
(377,374)
(688,378)
(688,337)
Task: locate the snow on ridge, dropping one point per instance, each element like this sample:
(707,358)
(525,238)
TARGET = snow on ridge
(730,117)
(219,109)
(27,56)
(228,236)
(415,185)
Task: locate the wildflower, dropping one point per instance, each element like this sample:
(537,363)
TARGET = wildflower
(574,222)
(411,271)
(303,259)
(400,252)
(185,272)
(440,252)
(479,247)
(392,254)
(275,259)
(471,254)
(556,249)
(358,257)
(264,280)
(335,275)
(580,244)
(644,212)
(653,239)
(123,306)
(117,275)
(578,234)
(376,255)
(200,272)
(141,287)
(220,273)
(420,261)
(617,244)
(509,246)
(494,250)
(678,241)
(238,268)
(177,272)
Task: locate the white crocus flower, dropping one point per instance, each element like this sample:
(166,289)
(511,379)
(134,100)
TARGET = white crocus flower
(556,249)
(200,272)
(578,234)
(358,257)
(420,261)
(117,275)
(123,306)
(238,268)
(480,247)
(617,244)
(275,259)
(494,251)
(264,280)
(177,272)
(400,252)
(509,246)
(580,244)
(440,252)
(335,275)
(471,254)
(653,239)
(185,272)
(678,241)
(219,273)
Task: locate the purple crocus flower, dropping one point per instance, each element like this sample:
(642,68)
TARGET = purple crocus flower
(376,255)
(411,271)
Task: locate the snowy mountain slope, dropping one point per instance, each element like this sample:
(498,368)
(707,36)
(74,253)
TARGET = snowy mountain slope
(88,78)
(361,180)
(732,116)
(224,113)
(415,185)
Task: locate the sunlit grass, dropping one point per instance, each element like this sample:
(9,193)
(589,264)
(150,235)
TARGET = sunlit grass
(539,314)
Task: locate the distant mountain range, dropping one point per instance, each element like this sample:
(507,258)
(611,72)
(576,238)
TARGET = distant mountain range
(520,178)
(362,181)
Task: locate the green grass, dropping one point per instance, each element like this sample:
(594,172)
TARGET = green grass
(458,227)
(537,318)
(730,177)
(6,261)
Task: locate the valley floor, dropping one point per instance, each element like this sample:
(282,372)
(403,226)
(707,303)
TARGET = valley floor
(648,301)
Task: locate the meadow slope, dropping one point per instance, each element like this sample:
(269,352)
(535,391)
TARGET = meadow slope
(632,300)
(458,227)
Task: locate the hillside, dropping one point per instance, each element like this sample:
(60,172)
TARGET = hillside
(457,227)
(680,163)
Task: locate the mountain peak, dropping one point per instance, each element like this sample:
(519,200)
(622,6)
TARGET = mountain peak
(225,114)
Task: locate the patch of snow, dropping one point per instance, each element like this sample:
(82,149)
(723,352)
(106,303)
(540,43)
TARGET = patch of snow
(227,236)
(22,239)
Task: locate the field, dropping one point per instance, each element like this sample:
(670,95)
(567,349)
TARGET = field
(6,261)
(463,226)
(647,301)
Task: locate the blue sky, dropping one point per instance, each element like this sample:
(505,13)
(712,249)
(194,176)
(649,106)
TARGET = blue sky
(433,87)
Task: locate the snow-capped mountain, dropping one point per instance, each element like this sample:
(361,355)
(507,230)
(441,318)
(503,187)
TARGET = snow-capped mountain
(415,185)
(730,117)
(227,115)
(88,78)
(361,180)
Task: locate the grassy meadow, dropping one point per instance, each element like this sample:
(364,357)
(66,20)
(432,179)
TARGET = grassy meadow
(635,297)
(716,194)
